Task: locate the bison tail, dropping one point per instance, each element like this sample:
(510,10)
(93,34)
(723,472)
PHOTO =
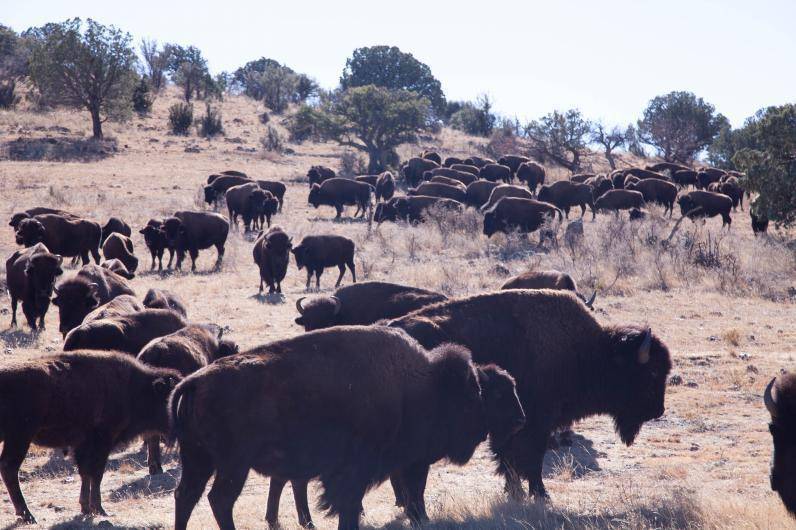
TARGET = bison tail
(180,407)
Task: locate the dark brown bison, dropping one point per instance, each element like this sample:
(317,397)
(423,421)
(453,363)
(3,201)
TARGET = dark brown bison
(565,194)
(478,193)
(617,177)
(702,204)
(126,333)
(506,190)
(556,280)
(462,176)
(600,184)
(233,172)
(731,187)
(436,189)
(412,171)
(713,172)
(277,189)
(780,401)
(115,226)
(271,253)
(215,191)
(319,174)
(250,201)
(362,304)
(759,222)
(667,166)
(562,376)
(368,179)
(433,156)
(705,179)
(412,209)
(616,200)
(685,177)
(581,177)
(117,267)
(89,402)
(646,174)
(449,161)
(185,351)
(194,231)
(124,304)
(68,237)
(466,168)
(439,179)
(80,294)
(385,187)
(156,242)
(120,247)
(318,252)
(513,162)
(341,192)
(478,162)
(30,277)
(437,405)
(511,213)
(164,299)
(532,174)
(495,172)
(657,191)
(33,212)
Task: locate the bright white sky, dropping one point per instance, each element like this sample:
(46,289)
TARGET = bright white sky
(607,58)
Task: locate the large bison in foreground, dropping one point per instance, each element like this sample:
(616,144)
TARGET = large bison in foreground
(244,412)
(562,376)
(361,304)
(89,402)
(780,400)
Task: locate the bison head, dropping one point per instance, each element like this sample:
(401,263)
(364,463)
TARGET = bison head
(16,219)
(153,234)
(210,194)
(29,232)
(315,195)
(299,252)
(490,224)
(503,409)
(636,384)
(75,298)
(41,271)
(318,313)
(175,231)
(688,206)
(544,194)
(780,400)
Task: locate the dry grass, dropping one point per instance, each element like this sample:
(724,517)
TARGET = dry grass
(702,465)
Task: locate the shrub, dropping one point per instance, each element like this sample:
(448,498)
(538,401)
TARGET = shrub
(210,124)
(142,101)
(272,141)
(349,164)
(180,118)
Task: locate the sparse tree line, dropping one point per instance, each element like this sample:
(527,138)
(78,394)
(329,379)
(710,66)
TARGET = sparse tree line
(385,98)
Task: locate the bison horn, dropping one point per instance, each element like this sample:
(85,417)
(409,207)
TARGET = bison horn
(591,300)
(770,399)
(644,349)
(298,305)
(337,304)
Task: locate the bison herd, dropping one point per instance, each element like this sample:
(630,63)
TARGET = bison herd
(510,366)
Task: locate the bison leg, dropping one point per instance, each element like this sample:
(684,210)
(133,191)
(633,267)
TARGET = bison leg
(318,273)
(194,253)
(29,310)
(226,488)
(95,253)
(275,488)
(309,279)
(413,482)
(726,220)
(180,257)
(171,257)
(153,455)
(220,259)
(84,257)
(353,269)
(197,468)
(91,457)
(14,452)
(152,253)
(339,208)
(302,504)
(268,220)
(14,302)
(342,273)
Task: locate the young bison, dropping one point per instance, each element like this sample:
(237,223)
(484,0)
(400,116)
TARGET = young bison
(318,252)
(90,402)
(780,400)
(361,304)
(185,351)
(562,375)
(437,405)
(30,277)
(155,239)
(271,253)
(120,247)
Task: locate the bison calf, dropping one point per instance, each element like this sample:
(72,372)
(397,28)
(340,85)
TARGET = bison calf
(120,247)
(318,252)
(155,239)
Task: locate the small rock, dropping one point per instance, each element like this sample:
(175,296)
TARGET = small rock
(694,447)
(500,270)
(675,380)
(691,384)
(193,149)
(744,356)
(713,338)
(8,351)
(752,369)
(752,338)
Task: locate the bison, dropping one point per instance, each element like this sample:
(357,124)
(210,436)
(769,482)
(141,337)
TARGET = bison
(115,226)
(464,177)
(194,231)
(511,213)
(657,191)
(80,294)
(436,189)
(495,172)
(412,209)
(318,252)
(600,184)
(218,187)
(125,333)
(671,167)
(412,171)
(385,187)
(439,179)
(780,401)
(90,402)
(433,156)
(532,174)
(513,162)
(40,210)
(759,222)
(250,201)
(124,304)
(466,168)
(478,162)
(65,236)
(702,204)
(341,192)
(438,405)
(319,174)
(117,267)
(277,189)
(451,160)
(478,193)
(362,304)
(646,174)
(185,351)
(271,253)
(556,280)
(685,177)
(156,242)
(506,190)
(30,277)
(617,200)
(120,247)
(562,376)
(705,179)
(163,299)
(565,194)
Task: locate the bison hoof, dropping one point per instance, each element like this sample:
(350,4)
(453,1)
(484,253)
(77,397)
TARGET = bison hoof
(27,518)
(155,469)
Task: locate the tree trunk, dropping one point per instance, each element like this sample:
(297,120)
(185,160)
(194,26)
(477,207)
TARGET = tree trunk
(610,157)
(96,123)
(375,165)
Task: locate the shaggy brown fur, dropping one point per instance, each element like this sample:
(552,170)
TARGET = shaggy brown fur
(30,277)
(126,333)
